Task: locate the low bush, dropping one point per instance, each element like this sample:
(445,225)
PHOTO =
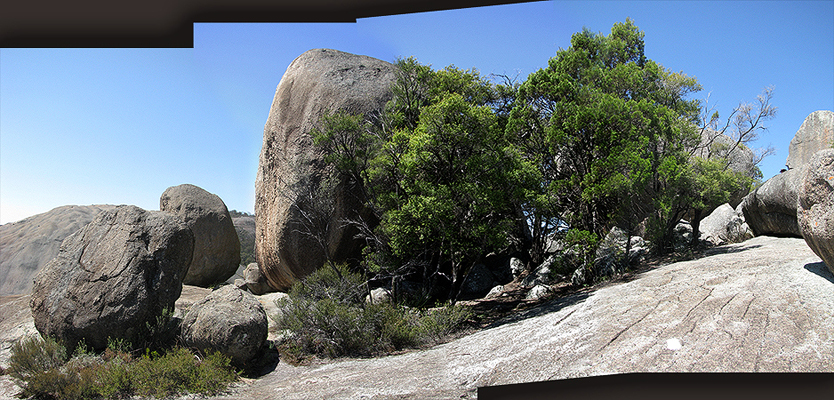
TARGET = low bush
(42,368)
(326,316)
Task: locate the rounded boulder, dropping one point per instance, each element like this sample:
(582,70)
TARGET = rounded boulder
(113,278)
(216,245)
(228,320)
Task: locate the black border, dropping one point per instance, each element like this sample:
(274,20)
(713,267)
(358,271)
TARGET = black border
(169,23)
(673,386)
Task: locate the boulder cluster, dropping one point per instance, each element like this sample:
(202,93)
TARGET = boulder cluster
(118,277)
(119,269)
(799,202)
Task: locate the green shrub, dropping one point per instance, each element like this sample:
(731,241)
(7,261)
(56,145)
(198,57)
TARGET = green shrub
(32,355)
(326,316)
(44,372)
(335,282)
(438,323)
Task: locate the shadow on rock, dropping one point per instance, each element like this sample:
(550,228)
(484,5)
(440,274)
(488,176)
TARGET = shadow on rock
(546,308)
(264,364)
(820,269)
(729,249)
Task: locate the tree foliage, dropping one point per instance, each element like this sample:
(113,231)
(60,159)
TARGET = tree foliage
(457,166)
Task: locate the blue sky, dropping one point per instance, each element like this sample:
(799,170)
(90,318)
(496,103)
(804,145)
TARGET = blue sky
(119,126)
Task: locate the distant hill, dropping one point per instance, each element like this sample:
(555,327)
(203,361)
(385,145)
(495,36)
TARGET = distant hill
(26,245)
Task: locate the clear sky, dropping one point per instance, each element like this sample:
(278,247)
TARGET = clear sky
(119,126)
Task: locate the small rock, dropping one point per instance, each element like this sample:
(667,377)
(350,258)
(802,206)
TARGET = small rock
(378,295)
(537,292)
(255,280)
(579,277)
(542,274)
(228,320)
(724,226)
(516,266)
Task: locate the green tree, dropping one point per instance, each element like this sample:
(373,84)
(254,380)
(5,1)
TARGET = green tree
(436,170)
(598,123)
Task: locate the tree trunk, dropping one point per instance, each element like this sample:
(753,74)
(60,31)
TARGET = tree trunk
(697,215)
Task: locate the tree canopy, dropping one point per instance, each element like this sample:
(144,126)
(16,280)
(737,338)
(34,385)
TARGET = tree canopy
(457,166)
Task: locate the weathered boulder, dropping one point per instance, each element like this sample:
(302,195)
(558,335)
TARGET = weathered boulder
(228,320)
(317,83)
(255,280)
(216,245)
(815,207)
(724,226)
(113,277)
(771,209)
(815,134)
(27,245)
(613,244)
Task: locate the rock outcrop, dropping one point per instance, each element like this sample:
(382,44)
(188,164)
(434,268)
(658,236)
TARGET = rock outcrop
(724,226)
(216,245)
(815,134)
(27,245)
(113,277)
(228,320)
(759,306)
(771,209)
(317,83)
(815,208)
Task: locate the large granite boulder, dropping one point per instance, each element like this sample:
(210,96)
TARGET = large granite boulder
(216,245)
(815,134)
(228,320)
(815,208)
(725,225)
(771,209)
(113,277)
(317,83)
(27,245)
